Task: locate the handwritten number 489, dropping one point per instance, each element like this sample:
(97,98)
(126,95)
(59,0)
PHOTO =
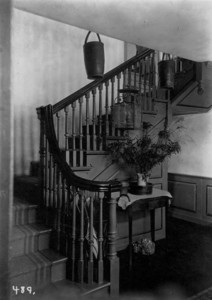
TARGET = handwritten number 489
(22,289)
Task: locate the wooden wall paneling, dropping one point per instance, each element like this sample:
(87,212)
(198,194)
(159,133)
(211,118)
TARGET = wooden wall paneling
(186,191)
(192,197)
(207,199)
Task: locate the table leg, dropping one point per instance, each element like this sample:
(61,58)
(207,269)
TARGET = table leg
(152,224)
(130,238)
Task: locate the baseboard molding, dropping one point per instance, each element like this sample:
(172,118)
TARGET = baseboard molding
(180,216)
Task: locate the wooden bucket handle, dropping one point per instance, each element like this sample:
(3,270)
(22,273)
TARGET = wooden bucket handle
(88,36)
(165,55)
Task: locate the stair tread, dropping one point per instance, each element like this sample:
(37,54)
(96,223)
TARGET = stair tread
(111,137)
(27,178)
(32,261)
(53,256)
(28,263)
(20,203)
(96,152)
(81,168)
(20,231)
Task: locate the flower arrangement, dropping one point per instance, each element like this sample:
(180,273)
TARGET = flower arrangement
(144,153)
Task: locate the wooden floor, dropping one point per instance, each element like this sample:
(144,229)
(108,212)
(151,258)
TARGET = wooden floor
(180,268)
(181,265)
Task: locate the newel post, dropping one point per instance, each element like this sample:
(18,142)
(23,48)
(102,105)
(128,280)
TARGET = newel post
(42,152)
(112,253)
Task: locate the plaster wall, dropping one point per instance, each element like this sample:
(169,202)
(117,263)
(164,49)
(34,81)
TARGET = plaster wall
(6,157)
(47,66)
(195,157)
(180,27)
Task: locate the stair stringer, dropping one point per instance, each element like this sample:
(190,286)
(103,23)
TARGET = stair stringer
(104,169)
(189,102)
(102,166)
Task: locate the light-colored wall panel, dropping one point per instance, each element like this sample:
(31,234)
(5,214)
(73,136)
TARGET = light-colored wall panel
(196,142)
(47,66)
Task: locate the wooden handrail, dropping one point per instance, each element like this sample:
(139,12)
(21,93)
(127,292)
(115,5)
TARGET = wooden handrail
(68,174)
(81,92)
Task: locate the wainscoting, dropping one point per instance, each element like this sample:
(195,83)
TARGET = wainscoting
(192,197)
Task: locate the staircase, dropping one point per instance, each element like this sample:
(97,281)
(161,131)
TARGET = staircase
(33,263)
(65,217)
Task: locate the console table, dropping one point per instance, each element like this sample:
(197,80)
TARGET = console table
(131,202)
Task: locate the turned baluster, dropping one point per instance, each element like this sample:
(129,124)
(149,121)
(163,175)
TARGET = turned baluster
(106,109)
(54,186)
(145,84)
(118,97)
(66,135)
(74,156)
(42,152)
(63,205)
(91,244)
(87,121)
(80,133)
(58,209)
(50,175)
(148,69)
(112,103)
(124,79)
(100,240)
(81,240)
(94,140)
(129,72)
(46,175)
(112,252)
(140,77)
(135,76)
(100,87)
(58,127)
(68,221)
(73,238)
(154,78)
(118,85)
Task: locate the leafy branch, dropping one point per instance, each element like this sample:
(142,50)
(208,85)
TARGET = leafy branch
(143,153)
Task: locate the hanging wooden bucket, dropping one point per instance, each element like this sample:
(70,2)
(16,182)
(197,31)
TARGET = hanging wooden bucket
(166,73)
(94,58)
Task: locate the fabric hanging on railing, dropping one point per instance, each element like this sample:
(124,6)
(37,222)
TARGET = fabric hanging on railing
(95,247)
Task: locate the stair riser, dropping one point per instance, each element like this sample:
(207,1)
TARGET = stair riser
(29,244)
(27,189)
(35,279)
(24,216)
(41,276)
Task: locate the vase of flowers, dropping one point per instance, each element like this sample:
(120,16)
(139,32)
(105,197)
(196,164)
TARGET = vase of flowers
(144,153)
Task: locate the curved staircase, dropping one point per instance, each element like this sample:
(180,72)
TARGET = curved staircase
(65,219)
